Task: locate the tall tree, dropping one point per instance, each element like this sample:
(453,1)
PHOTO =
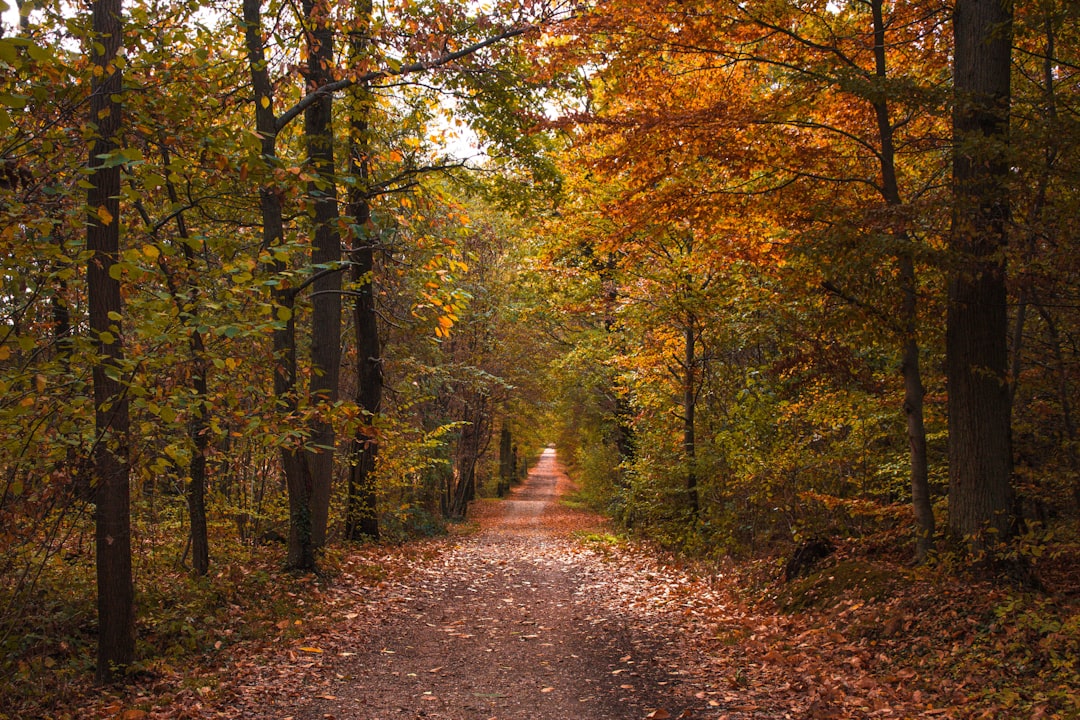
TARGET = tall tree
(116,606)
(909,312)
(361,513)
(980,452)
(325,261)
(301,554)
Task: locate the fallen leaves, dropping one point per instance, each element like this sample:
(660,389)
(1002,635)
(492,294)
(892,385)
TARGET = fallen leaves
(699,642)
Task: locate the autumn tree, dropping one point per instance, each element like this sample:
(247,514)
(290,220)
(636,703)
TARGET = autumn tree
(318,24)
(980,449)
(116,609)
(361,510)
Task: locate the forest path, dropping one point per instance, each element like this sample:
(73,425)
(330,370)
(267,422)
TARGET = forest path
(525,619)
(510,623)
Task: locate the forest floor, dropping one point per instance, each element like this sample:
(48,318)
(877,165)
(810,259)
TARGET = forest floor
(537,611)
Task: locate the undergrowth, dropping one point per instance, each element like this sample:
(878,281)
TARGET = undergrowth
(182,621)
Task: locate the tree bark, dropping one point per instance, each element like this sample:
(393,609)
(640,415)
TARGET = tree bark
(362,512)
(689,408)
(199,425)
(506,460)
(301,551)
(914,392)
(325,255)
(112,516)
(980,455)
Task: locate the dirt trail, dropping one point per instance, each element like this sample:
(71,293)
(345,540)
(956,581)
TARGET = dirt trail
(514,622)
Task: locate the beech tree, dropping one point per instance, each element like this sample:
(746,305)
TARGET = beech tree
(980,448)
(318,25)
(361,510)
(116,594)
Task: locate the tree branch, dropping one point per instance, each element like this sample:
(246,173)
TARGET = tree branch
(419,66)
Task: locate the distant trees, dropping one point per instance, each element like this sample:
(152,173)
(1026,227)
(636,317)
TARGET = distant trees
(809,148)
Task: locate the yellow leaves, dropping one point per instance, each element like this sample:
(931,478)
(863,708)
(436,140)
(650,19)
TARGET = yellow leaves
(105,216)
(445,322)
(151,252)
(264,102)
(5,352)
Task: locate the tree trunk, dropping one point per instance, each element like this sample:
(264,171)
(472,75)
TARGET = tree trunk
(301,552)
(976,342)
(506,460)
(116,595)
(362,512)
(689,408)
(913,387)
(199,425)
(196,495)
(362,515)
(1061,370)
(325,259)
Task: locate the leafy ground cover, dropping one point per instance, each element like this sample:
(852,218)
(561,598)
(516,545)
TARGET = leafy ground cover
(537,609)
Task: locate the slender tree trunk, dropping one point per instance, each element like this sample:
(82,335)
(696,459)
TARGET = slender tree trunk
(980,455)
(325,258)
(82,486)
(913,387)
(1062,372)
(116,595)
(199,425)
(301,552)
(689,409)
(916,428)
(361,515)
(198,429)
(506,460)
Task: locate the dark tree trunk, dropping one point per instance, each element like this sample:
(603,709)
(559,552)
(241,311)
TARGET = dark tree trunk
(82,486)
(198,427)
(980,456)
(362,515)
(913,386)
(196,495)
(116,595)
(325,259)
(471,444)
(1061,370)
(506,460)
(689,409)
(362,512)
(301,552)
